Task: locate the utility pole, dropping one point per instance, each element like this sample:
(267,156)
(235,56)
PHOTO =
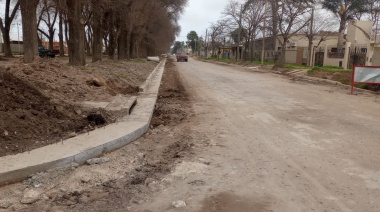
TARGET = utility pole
(264,31)
(309,50)
(1,43)
(206,44)
(195,49)
(377,24)
(18,38)
(239,32)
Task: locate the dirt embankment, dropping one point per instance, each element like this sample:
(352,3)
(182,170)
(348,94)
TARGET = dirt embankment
(40,102)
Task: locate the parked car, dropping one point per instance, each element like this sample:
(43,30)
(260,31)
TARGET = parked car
(43,52)
(181,56)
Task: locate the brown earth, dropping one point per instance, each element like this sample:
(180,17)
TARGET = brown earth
(340,76)
(40,102)
(135,171)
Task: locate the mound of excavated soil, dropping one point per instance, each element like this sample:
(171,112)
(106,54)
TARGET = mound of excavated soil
(39,102)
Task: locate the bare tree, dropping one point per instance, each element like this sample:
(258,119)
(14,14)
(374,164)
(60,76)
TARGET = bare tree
(87,14)
(61,8)
(290,22)
(320,29)
(374,13)
(252,19)
(5,26)
(217,34)
(48,15)
(109,28)
(234,13)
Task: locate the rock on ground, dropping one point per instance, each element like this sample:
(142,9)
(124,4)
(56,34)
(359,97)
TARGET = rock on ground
(179,204)
(97,161)
(30,197)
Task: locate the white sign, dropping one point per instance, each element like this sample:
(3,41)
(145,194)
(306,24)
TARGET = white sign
(367,74)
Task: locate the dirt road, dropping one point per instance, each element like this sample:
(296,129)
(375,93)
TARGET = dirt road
(277,145)
(238,140)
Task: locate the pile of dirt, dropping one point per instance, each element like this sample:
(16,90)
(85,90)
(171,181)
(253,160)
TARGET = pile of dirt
(171,99)
(126,176)
(40,102)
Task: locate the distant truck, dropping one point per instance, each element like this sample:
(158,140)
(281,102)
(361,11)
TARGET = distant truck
(181,56)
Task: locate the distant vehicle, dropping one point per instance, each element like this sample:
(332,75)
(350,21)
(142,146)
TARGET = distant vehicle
(181,56)
(43,52)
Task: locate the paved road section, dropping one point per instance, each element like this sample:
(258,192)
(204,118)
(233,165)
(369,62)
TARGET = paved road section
(85,146)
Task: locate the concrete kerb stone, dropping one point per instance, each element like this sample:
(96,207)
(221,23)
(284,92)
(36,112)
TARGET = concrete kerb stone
(143,87)
(15,168)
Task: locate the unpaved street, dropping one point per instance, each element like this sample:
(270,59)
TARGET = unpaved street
(276,145)
(236,140)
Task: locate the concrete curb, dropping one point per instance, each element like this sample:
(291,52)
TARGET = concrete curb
(143,87)
(15,168)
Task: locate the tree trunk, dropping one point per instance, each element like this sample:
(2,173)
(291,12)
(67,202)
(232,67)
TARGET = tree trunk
(252,49)
(6,26)
(342,27)
(128,42)
(274,6)
(66,30)
(121,44)
(281,60)
(132,47)
(105,40)
(51,38)
(111,44)
(76,33)
(88,41)
(112,39)
(29,29)
(7,43)
(60,35)
(137,49)
(97,46)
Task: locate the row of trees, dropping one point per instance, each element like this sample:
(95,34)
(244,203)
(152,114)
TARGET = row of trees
(281,20)
(126,28)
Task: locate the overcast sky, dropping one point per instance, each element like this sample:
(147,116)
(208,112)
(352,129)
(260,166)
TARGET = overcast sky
(199,14)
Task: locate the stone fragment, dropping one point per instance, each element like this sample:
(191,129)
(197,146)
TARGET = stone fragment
(204,161)
(30,197)
(4,204)
(179,204)
(97,161)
